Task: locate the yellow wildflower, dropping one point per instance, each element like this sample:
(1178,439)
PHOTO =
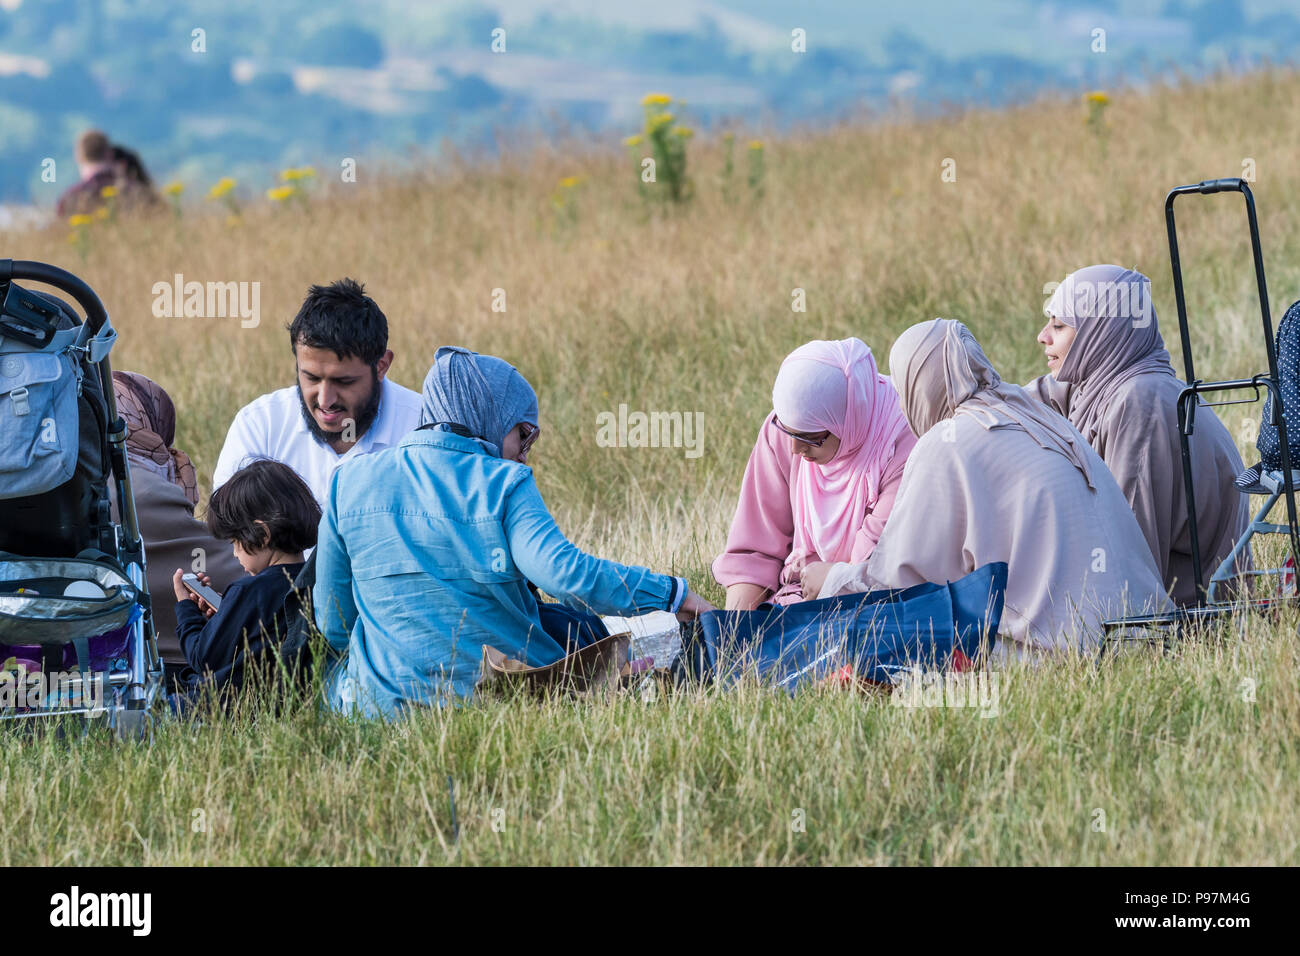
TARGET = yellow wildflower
(80,219)
(663,119)
(568,182)
(174,188)
(1098,97)
(280,193)
(290,175)
(223,186)
(755,144)
(685,132)
(656,99)
(108,192)
(633,140)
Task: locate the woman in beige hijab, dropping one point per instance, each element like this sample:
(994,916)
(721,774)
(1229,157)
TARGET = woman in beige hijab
(996,476)
(1110,376)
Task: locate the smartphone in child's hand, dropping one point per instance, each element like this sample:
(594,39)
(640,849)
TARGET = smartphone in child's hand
(195,586)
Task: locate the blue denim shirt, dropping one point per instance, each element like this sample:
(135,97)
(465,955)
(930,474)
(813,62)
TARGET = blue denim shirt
(424,555)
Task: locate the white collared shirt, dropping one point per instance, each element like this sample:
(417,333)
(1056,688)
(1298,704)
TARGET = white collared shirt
(272,426)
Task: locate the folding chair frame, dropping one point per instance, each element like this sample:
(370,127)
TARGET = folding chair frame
(1207,604)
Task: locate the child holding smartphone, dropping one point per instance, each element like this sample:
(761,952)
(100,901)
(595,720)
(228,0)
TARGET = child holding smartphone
(269,516)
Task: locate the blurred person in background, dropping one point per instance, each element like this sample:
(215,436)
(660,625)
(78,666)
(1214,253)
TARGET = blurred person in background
(97,170)
(106,165)
(134,184)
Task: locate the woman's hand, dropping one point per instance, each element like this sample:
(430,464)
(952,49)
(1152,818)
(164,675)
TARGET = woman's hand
(692,607)
(811,578)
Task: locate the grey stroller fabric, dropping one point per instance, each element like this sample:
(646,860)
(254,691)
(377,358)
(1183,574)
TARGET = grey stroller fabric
(38,420)
(42,615)
(39,388)
(62,522)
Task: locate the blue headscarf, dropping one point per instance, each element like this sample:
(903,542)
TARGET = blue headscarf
(483,394)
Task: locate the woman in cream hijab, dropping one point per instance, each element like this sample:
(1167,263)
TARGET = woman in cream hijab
(1110,375)
(996,476)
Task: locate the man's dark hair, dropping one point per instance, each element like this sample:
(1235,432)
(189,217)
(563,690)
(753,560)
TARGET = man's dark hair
(266,491)
(342,318)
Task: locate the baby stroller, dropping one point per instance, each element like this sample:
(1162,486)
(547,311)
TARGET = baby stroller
(1275,477)
(76,632)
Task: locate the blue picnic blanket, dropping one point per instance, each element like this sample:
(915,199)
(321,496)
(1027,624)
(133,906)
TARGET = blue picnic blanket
(875,634)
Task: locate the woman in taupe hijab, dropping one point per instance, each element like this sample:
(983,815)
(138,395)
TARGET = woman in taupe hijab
(165,490)
(1110,375)
(995,476)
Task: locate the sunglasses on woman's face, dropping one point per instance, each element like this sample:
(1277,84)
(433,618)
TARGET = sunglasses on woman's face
(814,442)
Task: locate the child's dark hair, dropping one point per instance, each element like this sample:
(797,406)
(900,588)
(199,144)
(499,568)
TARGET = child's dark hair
(266,491)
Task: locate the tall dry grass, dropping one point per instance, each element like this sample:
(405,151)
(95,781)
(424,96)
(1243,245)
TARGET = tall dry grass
(689,309)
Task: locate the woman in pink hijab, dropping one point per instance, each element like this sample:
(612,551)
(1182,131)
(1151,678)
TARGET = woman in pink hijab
(1110,375)
(822,477)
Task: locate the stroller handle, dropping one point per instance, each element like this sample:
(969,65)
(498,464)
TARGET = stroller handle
(1219,186)
(61,279)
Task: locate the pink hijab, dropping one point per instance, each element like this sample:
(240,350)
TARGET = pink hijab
(835,387)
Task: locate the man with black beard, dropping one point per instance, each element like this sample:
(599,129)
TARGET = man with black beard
(343,405)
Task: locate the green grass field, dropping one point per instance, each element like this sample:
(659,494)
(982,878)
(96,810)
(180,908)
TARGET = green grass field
(1180,758)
